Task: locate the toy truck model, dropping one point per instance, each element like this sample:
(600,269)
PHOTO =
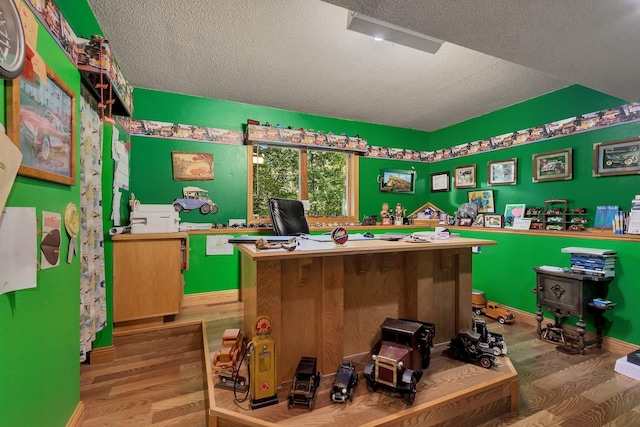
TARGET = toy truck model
(305,383)
(489,339)
(345,381)
(225,361)
(480,305)
(398,359)
(466,347)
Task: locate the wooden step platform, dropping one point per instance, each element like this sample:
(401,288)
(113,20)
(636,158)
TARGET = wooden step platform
(450,393)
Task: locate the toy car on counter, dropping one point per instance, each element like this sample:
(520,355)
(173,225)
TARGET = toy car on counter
(226,360)
(305,383)
(398,359)
(466,346)
(344,383)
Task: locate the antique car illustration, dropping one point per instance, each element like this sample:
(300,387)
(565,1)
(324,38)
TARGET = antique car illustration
(466,346)
(621,160)
(489,339)
(305,383)
(344,383)
(398,359)
(195,198)
(45,133)
(225,362)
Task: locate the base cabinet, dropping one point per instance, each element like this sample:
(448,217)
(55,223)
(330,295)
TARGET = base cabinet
(568,294)
(147,275)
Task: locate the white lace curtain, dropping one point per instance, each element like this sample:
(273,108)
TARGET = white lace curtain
(93,301)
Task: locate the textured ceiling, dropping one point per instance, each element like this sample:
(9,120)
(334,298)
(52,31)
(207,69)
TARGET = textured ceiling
(298,55)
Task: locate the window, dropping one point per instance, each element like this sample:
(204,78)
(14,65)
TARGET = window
(325,178)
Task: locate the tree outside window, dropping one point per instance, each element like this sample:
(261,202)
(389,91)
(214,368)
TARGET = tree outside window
(322,177)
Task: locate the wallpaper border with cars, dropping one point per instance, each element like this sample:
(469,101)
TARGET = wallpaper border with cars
(624,114)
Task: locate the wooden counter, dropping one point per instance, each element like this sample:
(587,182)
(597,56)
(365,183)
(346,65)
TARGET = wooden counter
(328,301)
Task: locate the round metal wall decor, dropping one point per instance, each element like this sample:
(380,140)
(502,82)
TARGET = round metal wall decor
(12,44)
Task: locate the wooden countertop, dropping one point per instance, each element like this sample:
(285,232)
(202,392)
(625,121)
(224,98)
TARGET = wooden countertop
(311,248)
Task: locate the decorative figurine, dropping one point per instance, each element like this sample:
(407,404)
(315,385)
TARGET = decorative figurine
(385,217)
(398,359)
(399,214)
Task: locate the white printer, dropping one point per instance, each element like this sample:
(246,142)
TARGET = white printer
(147,219)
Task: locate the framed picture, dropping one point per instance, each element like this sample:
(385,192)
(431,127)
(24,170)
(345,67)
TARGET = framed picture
(493,221)
(503,172)
(192,166)
(41,122)
(484,200)
(464,177)
(440,182)
(465,222)
(511,212)
(479,221)
(553,166)
(616,157)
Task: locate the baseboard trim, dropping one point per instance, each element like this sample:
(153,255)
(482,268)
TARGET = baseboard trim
(611,344)
(102,355)
(77,418)
(208,298)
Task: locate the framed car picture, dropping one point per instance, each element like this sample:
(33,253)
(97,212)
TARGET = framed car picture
(553,166)
(41,122)
(464,177)
(503,172)
(616,157)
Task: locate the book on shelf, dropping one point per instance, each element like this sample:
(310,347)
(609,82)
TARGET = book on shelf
(587,251)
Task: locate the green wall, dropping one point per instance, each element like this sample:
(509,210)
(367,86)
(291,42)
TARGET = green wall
(39,335)
(505,273)
(39,332)
(152,180)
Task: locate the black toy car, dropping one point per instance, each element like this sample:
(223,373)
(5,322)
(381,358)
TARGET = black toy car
(466,346)
(305,383)
(344,383)
(397,361)
(489,339)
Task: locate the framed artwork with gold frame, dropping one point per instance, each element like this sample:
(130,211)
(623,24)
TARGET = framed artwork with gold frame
(41,122)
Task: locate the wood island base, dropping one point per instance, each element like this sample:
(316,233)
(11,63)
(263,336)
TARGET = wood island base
(450,393)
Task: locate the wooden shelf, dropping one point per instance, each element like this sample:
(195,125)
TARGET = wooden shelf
(91,77)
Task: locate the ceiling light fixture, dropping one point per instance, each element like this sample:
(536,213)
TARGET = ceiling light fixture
(392,33)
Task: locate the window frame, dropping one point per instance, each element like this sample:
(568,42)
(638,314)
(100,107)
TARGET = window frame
(352,164)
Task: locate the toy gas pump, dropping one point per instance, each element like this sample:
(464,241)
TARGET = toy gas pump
(262,366)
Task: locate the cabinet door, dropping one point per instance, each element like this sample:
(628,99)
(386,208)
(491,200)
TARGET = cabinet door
(147,278)
(562,296)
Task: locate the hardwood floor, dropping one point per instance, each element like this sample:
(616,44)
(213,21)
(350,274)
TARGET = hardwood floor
(157,379)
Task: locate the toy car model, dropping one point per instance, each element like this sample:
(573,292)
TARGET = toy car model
(344,383)
(480,305)
(489,339)
(466,347)
(226,360)
(305,383)
(195,198)
(398,359)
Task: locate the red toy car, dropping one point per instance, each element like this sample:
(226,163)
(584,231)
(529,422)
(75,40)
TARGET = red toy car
(45,133)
